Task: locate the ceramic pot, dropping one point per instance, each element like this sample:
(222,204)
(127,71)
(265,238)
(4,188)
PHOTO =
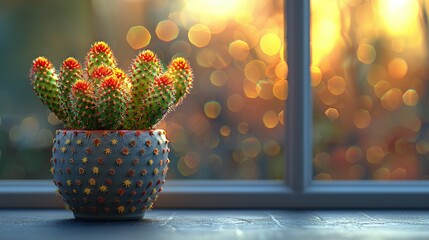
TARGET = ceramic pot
(109,175)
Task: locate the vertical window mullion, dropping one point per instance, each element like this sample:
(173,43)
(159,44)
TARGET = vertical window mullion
(298,110)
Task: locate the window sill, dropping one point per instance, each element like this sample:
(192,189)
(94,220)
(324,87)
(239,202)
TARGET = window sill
(257,194)
(220,224)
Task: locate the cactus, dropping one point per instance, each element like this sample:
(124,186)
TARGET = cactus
(102,96)
(99,54)
(157,106)
(145,67)
(70,72)
(83,105)
(113,100)
(180,70)
(44,80)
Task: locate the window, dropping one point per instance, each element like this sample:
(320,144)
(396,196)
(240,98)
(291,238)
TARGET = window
(236,51)
(299,190)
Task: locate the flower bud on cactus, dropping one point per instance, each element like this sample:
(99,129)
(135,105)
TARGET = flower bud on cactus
(181,73)
(99,54)
(70,72)
(112,103)
(157,104)
(44,80)
(83,103)
(145,67)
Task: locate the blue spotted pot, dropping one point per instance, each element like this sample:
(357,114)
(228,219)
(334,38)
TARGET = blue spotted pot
(109,175)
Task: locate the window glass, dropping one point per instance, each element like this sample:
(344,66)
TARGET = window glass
(229,127)
(370,89)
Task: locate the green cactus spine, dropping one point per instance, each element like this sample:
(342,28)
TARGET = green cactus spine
(70,72)
(180,71)
(158,103)
(83,105)
(145,67)
(112,103)
(44,80)
(99,54)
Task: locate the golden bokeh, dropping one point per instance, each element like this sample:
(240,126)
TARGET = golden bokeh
(381,88)
(199,35)
(255,70)
(280,89)
(272,148)
(249,89)
(354,154)
(243,128)
(212,109)
(225,131)
(392,99)
(251,147)
(361,118)
(332,114)
(397,68)
(281,70)
(218,78)
(375,154)
(270,119)
(336,85)
(265,90)
(281,117)
(167,30)
(235,103)
(138,37)
(270,44)
(410,97)
(366,53)
(239,50)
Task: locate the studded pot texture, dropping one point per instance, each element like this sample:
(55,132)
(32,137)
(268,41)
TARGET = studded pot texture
(109,175)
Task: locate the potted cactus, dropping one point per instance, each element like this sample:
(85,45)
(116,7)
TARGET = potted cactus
(109,161)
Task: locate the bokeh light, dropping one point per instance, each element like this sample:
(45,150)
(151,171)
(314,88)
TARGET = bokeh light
(270,44)
(138,37)
(239,50)
(368,77)
(199,35)
(212,109)
(167,30)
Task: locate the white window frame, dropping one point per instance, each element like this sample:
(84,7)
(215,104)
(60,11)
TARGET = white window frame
(298,190)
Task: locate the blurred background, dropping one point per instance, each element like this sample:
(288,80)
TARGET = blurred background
(370,87)
(368,67)
(230,126)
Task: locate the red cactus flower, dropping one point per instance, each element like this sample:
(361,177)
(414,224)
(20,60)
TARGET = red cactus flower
(180,63)
(71,63)
(147,56)
(100,47)
(111,82)
(102,72)
(80,85)
(41,63)
(163,80)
